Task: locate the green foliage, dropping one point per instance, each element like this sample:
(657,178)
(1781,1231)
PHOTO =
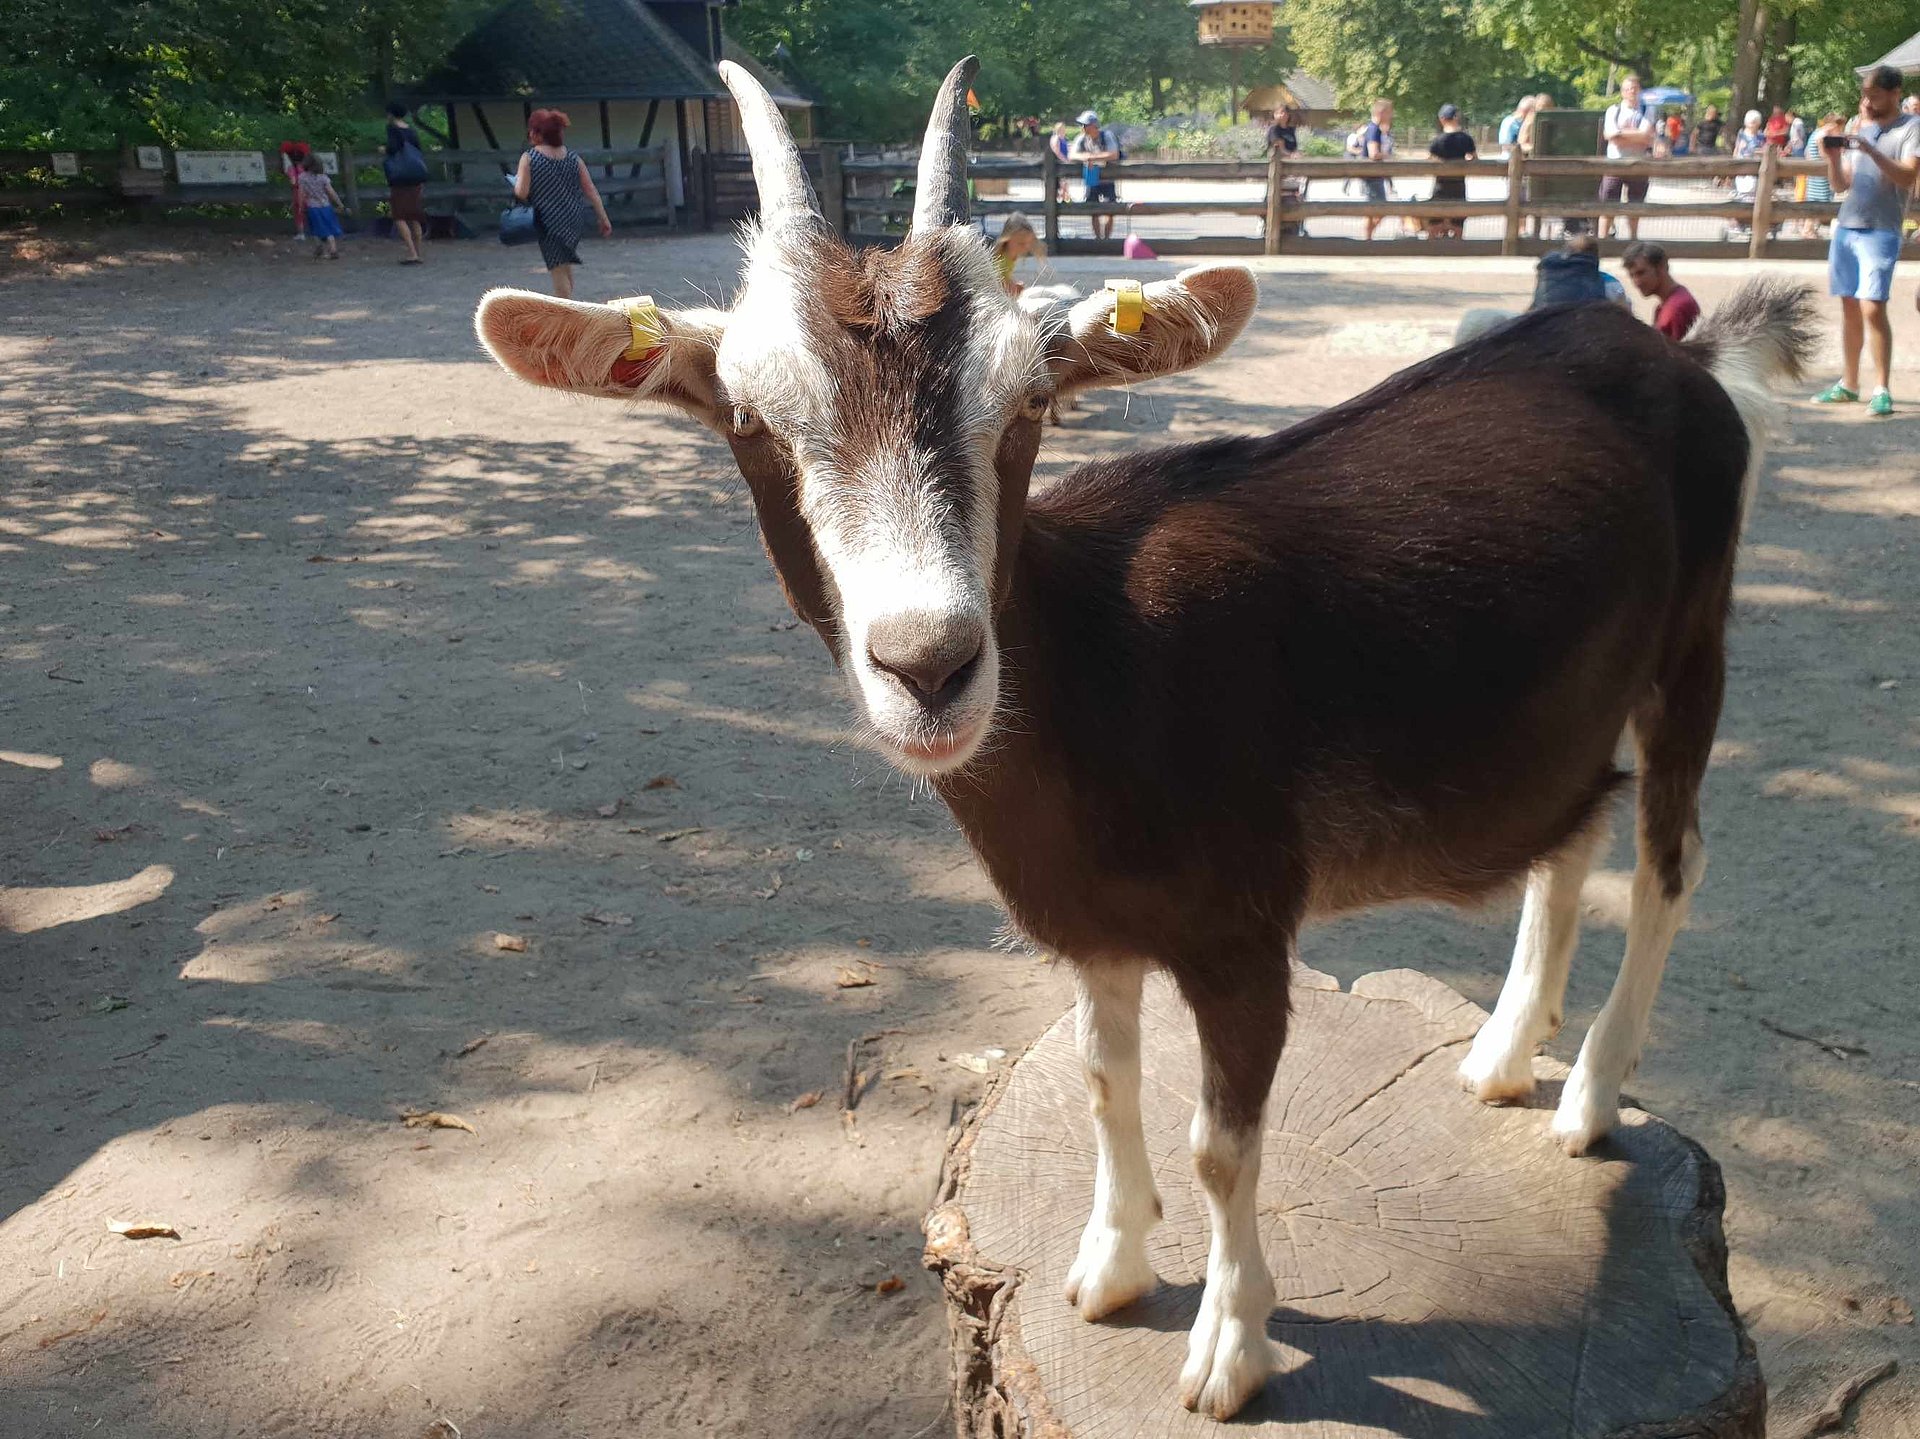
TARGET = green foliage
(876,65)
(88,74)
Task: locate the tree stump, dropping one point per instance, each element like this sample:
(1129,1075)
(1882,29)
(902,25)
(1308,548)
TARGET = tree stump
(1442,1268)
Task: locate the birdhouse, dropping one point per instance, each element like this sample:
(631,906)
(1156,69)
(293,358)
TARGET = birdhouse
(1234,22)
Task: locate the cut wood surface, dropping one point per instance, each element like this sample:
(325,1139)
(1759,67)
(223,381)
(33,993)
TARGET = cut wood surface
(1442,1269)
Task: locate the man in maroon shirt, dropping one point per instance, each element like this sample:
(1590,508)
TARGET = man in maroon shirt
(1676,311)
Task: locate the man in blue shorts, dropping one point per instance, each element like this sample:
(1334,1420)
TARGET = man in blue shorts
(1095,149)
(1872,169)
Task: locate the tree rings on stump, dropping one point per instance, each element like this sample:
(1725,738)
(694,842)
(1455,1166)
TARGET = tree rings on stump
(1442,1269)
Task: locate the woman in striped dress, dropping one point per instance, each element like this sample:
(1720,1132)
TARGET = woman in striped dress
(556,183)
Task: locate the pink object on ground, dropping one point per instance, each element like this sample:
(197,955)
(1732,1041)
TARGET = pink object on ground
(1135,248)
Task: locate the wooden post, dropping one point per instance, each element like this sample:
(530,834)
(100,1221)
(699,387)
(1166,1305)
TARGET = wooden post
(1050,185)
(1395,1256)
(1276,169)
(349,181)
(1763,203)
(1516,192)
(833,189)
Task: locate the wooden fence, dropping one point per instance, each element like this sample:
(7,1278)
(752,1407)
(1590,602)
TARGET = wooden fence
(632,182)
(1534,193)
(870,199)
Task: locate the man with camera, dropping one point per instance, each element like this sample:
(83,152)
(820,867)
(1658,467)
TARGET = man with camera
(1872,170)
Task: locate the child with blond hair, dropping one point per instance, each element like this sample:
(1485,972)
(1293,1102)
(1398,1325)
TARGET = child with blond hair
(323,207)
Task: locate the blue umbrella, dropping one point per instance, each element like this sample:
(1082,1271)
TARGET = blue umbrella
(1666,95)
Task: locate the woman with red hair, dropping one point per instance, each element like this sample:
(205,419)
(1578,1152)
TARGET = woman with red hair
(556,183)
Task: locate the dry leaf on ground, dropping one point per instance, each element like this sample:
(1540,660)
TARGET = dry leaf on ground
(771,890)
(434,1119)
(144,1229)
(472,1044)
(47,1341)
(804,1101)
(512,943)
(847,977)
(977,1063)
(607,917)
(662,781)
(893,1283)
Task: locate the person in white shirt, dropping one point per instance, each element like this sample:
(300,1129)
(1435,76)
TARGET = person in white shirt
(1630,128)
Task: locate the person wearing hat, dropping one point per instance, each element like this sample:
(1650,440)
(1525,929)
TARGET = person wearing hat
(1452,144)
(1095,149)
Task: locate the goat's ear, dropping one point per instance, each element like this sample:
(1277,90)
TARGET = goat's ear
(570,345)
(1188,321)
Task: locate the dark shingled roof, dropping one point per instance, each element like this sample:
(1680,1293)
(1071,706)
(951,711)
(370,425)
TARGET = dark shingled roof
(573,50)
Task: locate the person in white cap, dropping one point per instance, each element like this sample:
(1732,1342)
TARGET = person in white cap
(1095,149)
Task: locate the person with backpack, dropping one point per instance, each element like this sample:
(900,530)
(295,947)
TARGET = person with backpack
(1377,144)
(406,168)
(1094,147)
(1630,130)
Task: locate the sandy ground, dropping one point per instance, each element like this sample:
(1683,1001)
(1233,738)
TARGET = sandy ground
(328,655)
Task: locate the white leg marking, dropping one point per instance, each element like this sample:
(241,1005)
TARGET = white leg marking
(1111,1269)
(1228,1354)
(1590,1103)
(1499,1066)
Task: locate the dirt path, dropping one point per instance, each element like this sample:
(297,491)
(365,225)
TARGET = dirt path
(329,655)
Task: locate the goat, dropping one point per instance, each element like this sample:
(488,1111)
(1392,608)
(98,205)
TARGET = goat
(1187,700)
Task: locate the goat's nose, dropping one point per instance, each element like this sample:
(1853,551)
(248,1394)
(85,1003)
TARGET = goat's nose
(933,656)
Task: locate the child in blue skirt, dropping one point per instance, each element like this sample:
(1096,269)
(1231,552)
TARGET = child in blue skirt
(323,206)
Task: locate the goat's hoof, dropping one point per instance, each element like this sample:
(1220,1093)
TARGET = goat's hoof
(1497,1073)
(1584,1117)
(1229,1360)
(1109,1273)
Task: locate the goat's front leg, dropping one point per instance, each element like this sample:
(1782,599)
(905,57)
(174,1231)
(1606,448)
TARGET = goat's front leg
(1229,1357)
(1111,1269)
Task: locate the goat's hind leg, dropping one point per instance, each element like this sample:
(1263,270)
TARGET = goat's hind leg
(1674,734)
(1229,1357)
(1499,1066)
(1111,1268)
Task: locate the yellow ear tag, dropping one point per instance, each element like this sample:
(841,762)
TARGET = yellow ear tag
(1129,306)
(643,316)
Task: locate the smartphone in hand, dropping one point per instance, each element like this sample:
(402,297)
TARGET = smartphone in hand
(1833,142)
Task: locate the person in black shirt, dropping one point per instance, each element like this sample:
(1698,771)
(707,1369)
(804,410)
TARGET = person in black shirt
(1283,134)
(1706,134)
(1452,143)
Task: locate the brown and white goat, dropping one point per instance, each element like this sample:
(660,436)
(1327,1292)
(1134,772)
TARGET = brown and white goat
(1187,700)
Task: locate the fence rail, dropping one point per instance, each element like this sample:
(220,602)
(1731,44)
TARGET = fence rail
(870,198)
(632,182)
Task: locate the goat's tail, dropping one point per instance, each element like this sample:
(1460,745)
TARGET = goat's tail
(1763,335)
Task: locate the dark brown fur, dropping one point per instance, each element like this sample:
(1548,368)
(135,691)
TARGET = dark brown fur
(1384,655)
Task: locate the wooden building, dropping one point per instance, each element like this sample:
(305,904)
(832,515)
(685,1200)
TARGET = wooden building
(629,73)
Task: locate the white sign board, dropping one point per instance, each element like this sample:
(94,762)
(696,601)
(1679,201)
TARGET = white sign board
(331,159)
(149,157)
(220,167)
(65,162)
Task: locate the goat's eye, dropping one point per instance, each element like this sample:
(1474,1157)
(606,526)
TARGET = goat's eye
(1034,407)
(745,421)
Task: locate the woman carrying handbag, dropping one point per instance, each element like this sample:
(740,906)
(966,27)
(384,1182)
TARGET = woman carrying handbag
(406,169)
(556,183)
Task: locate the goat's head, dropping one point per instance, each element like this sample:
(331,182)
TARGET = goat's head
(884,407)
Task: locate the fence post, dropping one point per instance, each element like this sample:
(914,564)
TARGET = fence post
(1516,191)
(1276,168)
(349,181)
(833,189)
(1763,203)
(1050,192)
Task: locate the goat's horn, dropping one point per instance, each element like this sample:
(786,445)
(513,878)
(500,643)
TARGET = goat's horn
(785,193)
(940,196)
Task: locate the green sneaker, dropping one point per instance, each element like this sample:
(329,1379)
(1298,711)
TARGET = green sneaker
(1836,394)
(1880,404)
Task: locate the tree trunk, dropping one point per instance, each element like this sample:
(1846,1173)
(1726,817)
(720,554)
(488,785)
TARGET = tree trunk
(1749,52)
(1441,1268)
(1779,75)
